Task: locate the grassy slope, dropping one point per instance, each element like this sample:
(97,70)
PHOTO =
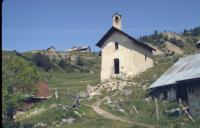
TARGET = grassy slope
(72,81)
(79,81)
(144,108)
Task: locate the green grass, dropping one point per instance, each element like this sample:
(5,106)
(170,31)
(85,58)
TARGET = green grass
(145,110)
(89,118)
(161,64)
(63,80)
(60,80)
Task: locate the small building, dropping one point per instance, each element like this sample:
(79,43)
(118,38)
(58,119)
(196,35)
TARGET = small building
(123,55)
(42,93)
(80,49)
(84,49)
(52,48)
(180,82)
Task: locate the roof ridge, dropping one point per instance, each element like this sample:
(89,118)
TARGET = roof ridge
(101,41)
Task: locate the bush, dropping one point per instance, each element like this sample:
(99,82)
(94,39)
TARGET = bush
(9,124)
(42,61)
(66,66)
(80,61)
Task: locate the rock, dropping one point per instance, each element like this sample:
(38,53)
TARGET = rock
(83,94)
(52,106)
(70,120)
(127,92)
(77,113)
(174,112)
(91,71)
(64,120)
(121,110)
(144,87)
(108,100)
(112,85)
(148,99)
(90,90)
(57,125)
(182,124)
(40,124)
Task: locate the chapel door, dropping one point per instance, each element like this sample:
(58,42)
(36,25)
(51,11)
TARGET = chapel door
(116,66)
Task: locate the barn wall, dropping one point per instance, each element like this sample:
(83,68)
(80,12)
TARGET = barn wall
(194,99)
(171,94)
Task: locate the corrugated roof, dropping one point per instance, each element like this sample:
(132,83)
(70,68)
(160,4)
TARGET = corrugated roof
(186,68)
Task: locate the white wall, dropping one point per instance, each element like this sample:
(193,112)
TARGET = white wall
(130,55)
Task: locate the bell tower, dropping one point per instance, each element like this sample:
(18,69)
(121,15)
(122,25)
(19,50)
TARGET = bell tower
(117,22)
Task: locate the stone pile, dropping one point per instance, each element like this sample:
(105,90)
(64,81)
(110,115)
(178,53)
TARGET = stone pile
(109,86)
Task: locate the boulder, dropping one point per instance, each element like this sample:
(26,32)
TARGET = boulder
(83,94)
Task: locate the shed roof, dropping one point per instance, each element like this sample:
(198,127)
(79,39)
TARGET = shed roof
(113,29)
(43,90)
(185,69)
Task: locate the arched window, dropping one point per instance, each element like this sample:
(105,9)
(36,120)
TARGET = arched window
(116,66)
(116,19)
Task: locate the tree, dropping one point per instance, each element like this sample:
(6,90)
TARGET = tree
(80,61)
(42,61)
(22,75)
(62,63)
(19,80)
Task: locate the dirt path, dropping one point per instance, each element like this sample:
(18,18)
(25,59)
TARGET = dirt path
(108,115)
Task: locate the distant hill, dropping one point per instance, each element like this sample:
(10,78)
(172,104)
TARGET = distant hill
(73,73)
(171,42)
(81,62)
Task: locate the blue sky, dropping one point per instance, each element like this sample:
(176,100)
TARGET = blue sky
(38,24)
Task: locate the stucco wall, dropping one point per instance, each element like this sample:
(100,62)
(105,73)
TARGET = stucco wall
(131,56)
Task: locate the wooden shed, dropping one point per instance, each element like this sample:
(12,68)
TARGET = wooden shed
(181,82)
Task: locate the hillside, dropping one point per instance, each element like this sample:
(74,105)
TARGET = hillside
(49,114)
(116,103)
(174,43)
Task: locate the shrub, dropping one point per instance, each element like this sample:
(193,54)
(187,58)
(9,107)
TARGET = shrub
(42,61)
(80,61)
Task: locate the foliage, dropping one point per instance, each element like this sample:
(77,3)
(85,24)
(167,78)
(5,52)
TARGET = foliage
(19,79)
(22,75)
(80,61)
(9,124)
(67,66)
(155,38)
(42,61)
(192,32)
(188,39)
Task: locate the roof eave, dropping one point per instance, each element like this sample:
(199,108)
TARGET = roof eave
(100,42)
